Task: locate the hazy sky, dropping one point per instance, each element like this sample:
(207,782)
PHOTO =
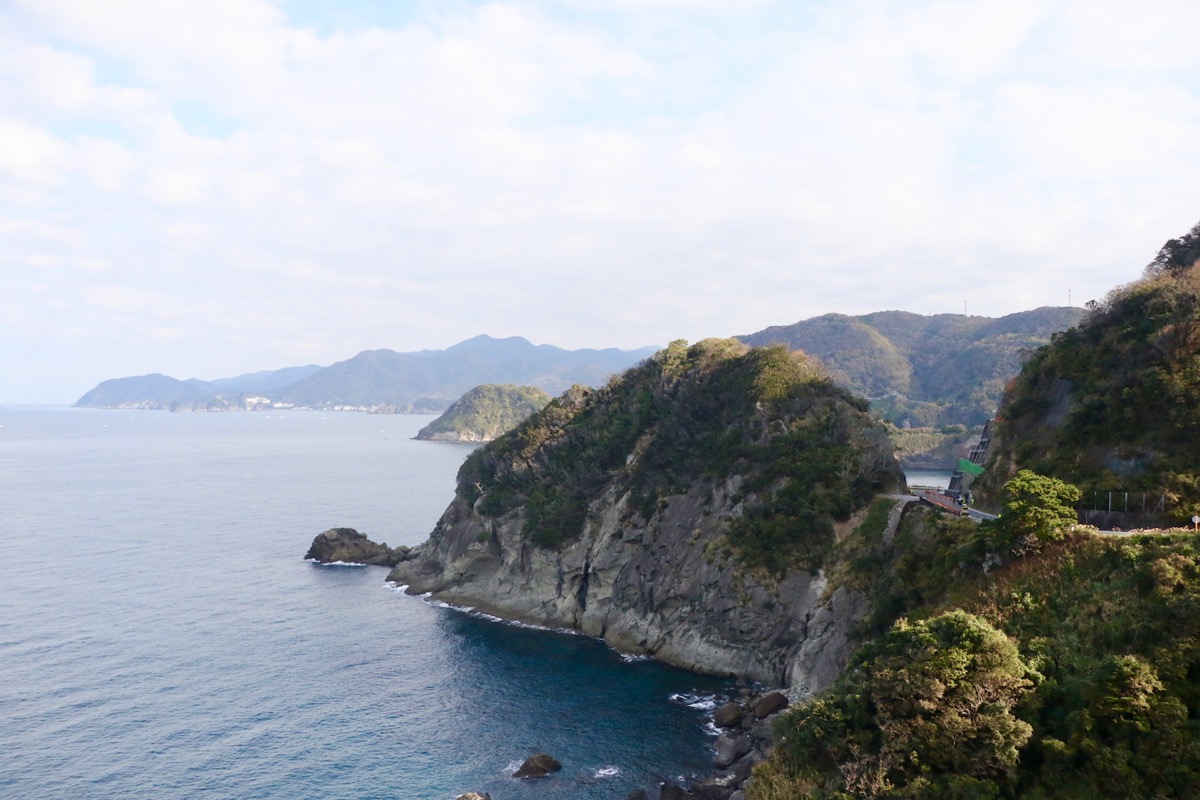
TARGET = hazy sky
(211,188)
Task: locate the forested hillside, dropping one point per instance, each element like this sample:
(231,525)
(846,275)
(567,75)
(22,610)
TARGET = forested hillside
(922,370)
(1114,403)
(1030,657)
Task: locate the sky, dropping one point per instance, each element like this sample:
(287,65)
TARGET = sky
(209,189)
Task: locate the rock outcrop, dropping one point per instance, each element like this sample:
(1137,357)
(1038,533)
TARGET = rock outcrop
(646,589)
(538,765)
(348,546)
(655,514)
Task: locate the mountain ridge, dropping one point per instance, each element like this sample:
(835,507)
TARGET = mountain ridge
(921,370)
(426,381)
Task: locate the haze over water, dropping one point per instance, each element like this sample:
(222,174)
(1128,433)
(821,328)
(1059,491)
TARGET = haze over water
(161,636)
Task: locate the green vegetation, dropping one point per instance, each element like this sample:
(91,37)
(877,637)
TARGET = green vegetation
(923,370)
(807,450)
(1111,404)
(1037,509)
(927,710)
(1030,658)
(1090,688)
(486,412)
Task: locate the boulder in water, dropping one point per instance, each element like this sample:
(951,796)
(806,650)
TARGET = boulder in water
(349,546)
(729,715)
(538,766)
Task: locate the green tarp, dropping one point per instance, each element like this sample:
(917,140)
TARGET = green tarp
(969,468)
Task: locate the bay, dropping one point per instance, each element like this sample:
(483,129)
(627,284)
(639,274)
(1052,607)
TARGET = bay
(161,636)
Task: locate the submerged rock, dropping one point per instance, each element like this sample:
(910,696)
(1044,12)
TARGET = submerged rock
(475,796)
(349,546)
(538,766)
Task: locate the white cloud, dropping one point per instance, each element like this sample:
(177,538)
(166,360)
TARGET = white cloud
(29,153)
(580,173)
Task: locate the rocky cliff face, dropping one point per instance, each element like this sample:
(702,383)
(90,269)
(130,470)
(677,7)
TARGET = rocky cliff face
(673,568)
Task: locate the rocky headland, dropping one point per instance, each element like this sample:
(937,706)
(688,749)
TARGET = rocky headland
(684,511)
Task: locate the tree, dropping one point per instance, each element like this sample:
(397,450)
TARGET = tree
(1177,255)
(1037,509)
(926,711)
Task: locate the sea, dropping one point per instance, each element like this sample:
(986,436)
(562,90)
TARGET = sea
(929,478)
(161,635)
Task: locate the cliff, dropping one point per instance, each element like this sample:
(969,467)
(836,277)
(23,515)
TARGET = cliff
(485,413)
(685,510)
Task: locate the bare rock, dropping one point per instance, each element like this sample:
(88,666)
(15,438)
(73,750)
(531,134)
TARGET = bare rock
(671,792)
(730,749)
(729,715)
(475,796)
(768,704)
(349,546)
(538,766)
(741,770)
(715,787)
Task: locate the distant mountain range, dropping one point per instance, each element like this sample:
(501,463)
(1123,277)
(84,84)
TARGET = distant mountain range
(917,370)
(376,380)
(924,370)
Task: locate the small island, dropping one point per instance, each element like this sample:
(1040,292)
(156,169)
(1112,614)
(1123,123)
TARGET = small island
(485,413)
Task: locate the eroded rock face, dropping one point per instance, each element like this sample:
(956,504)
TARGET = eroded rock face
(652,587)
(347,545)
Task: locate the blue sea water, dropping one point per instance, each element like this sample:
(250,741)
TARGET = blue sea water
(161,636)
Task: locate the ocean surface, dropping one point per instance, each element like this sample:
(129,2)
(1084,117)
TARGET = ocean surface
(161,636)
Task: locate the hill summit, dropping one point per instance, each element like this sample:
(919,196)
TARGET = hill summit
(1113,404)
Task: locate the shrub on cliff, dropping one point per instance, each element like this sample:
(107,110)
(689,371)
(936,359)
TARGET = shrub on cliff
(926,710)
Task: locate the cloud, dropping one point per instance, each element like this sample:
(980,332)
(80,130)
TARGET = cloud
(262,191)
